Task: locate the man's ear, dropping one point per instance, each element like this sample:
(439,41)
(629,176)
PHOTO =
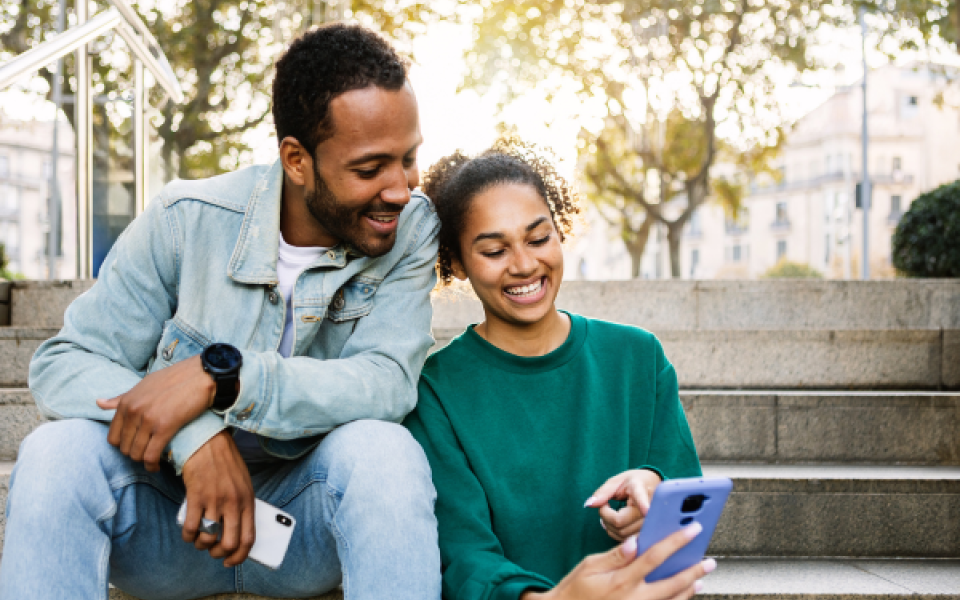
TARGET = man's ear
(457,267)
(297,162)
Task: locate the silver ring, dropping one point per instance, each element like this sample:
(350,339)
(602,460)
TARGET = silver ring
(208,526)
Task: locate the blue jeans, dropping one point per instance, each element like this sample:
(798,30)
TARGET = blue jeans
(80,514)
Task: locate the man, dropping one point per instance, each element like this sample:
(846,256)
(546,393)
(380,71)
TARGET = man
(258,333)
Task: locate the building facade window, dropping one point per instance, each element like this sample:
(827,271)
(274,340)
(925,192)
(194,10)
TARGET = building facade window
(694,261)
(4,166)
(781,217)
(897,164)
(781,249)
(896,208)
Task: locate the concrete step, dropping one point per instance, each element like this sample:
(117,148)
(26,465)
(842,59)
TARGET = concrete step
(907,428)
(780,579)
(917,428)
(839,511)
(824,511)
(838,579)
(18,417)
(17,345)
(770,579)
(807,359)
(932,304)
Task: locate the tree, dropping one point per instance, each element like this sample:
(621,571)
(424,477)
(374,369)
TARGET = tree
(785,269)
(222,52)
(705,73)
(926,242)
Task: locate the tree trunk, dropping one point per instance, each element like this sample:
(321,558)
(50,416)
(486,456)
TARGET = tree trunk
(636,242)
(674,233)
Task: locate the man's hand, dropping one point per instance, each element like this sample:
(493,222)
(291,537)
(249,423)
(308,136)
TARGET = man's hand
(619,574)
(149,415)
(218,488)
(636,487)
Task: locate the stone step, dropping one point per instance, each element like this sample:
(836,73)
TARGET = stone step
(807,359)
(17,345)
(917,428)
(932,304)
(824,511)
(18,417)
(868,359)
(907,428)
(656,305)
(839,511)
(780,579)
(837,579)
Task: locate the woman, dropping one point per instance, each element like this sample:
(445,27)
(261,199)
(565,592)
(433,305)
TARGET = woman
(533,411)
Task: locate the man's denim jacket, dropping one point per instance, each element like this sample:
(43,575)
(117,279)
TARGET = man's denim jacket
(200,266)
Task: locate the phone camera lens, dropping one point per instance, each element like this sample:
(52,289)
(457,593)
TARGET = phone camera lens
(692,504)
(284,520)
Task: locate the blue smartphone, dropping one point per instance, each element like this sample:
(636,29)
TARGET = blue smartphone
(676,504)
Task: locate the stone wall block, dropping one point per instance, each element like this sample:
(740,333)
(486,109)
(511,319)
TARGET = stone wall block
(42,303)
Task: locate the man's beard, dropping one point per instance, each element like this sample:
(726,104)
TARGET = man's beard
(345,223)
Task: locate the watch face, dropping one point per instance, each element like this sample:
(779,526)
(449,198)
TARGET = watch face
(222,357)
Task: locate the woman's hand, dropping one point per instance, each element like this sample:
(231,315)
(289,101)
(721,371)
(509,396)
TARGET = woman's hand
(636,487)
(619,574)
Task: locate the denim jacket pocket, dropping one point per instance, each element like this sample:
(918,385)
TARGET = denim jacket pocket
(353,300)
(178,342)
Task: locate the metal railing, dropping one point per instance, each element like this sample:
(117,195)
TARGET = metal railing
(147,55)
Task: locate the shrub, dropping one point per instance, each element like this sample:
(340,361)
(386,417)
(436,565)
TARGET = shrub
(785,269)
(926,242)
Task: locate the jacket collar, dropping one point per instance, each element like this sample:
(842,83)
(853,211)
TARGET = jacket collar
(254,257)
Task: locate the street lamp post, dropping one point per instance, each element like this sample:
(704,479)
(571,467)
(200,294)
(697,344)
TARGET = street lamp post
(865,188)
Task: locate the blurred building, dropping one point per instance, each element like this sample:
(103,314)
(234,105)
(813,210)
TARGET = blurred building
(809,214)
(25,170)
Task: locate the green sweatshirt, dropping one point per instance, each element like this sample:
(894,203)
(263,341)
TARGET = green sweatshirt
(518,444)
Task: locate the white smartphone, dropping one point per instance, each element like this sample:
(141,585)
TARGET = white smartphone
(274,529)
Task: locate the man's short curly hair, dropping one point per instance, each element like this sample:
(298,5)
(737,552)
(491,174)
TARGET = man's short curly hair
(319,66)
(454,181)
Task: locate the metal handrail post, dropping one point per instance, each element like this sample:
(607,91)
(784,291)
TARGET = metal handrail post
(84,136)
(140,140)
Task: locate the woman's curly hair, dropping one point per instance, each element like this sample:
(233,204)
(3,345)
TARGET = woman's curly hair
(455,180)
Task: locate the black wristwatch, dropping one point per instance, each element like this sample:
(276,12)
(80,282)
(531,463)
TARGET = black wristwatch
(223,362)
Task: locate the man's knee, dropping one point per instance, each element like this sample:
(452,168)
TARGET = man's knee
(61,454)
(379,455)
(61,441)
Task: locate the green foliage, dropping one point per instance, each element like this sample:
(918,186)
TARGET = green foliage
(5,272)
(222,51)
(926,242)
(785,269)
(700,67)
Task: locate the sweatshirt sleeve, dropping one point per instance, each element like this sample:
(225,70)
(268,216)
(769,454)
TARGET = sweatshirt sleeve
(672,453)
(474,567)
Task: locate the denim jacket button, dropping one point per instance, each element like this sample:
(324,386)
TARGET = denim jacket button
(273,296)
(243,416)
(331,254)
(338,301)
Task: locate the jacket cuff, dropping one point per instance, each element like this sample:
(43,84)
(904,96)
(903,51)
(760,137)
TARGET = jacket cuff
(258,370)
(194,435)
(514,587)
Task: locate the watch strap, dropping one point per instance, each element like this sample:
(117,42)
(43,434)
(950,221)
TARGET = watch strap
(226,394)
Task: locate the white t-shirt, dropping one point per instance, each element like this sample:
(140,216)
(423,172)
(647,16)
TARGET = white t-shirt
(291,262)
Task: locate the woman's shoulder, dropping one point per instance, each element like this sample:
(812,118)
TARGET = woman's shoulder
(610,332)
